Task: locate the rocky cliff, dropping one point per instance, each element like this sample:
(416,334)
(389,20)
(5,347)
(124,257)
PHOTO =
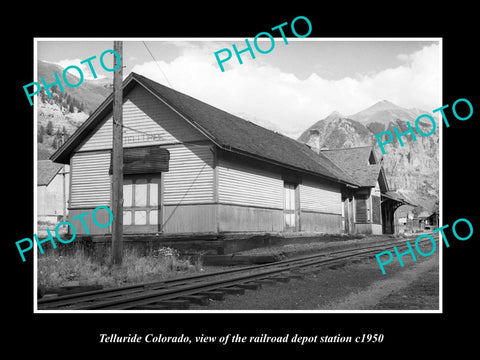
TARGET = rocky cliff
(412,170)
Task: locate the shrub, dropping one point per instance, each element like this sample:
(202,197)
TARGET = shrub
(56,270)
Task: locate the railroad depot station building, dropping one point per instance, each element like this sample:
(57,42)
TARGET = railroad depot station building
(191,169)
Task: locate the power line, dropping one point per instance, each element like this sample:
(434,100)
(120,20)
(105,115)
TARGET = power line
(175,93)
(130,128)
(156,62)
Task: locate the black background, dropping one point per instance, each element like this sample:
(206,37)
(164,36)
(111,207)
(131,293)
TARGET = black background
(61,335)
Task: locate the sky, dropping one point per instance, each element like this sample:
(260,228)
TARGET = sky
(287,89)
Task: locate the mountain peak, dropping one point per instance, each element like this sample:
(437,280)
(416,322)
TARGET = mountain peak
(383,112)
(383,105)
(334,114)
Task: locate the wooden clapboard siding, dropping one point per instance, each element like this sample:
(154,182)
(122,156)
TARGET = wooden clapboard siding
(157,123)
(377,229)
(245,218)
(199,218)
(321,222)
(190,178)
(245,185)
(363,229)
(320,197)
(374,229)
(90,181)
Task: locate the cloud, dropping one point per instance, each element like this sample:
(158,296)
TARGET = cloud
(404,57)
(258,90)
(87,73)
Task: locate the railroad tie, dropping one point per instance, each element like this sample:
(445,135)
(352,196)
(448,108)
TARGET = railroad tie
(337,265)
(267,281)
(196,299)
(297,276)
(214,295)
(233,290)
(176,304)
(250,286)
(198,289)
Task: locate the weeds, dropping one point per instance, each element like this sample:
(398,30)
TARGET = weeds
(56,270)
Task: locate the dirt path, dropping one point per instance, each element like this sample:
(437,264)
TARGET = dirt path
(355,286)
(415,287)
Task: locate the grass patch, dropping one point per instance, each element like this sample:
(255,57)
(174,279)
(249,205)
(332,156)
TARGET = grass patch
(55,270)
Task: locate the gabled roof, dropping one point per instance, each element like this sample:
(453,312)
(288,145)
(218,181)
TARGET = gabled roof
(356,162)
(227,131)
(46,171)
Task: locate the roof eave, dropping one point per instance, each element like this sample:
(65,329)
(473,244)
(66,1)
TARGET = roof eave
(232,149)
(62,155)
(187,119)
(278,163)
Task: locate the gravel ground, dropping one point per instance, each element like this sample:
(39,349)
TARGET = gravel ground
(358,285)
(319,245)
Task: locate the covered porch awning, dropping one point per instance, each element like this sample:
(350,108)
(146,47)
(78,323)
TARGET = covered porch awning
(391,201)
(394,196)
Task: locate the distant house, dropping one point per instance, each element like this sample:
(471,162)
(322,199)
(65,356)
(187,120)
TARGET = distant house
(191,168)
(369,208)
(52,191)
(431,222)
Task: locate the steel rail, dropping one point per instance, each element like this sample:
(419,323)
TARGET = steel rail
(146,293)
(66,300)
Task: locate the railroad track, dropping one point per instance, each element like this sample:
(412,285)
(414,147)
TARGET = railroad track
(179,292)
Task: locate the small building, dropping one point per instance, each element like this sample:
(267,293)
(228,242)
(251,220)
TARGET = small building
(191,168)
(52,191)
(431,222)
(369,208)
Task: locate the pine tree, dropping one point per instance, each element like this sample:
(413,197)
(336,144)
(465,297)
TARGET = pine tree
(64,133)
(43,95)
(75,103)
(49,129)
(57,140)
(41,132)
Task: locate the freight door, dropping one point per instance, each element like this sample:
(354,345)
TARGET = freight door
(141,203)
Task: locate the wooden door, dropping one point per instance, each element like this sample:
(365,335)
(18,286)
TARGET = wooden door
(348,216)
(141,203)
(351,219)
(289,206)
(345,216)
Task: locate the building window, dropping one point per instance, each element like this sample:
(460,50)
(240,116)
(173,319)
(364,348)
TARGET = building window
(141,199)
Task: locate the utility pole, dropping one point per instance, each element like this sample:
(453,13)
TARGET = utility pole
(117,159)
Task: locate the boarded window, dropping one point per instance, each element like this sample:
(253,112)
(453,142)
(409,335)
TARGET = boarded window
(361,210)
(144,160)
(376,209)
